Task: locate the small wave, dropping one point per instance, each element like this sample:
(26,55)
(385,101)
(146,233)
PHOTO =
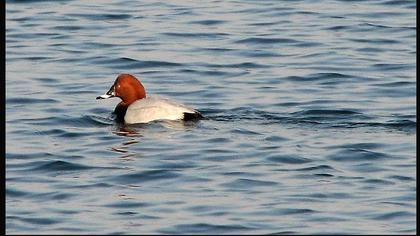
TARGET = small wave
(67,27)
(33,155)
(36,58)
(288,159)
(130,63)
(54,195)
(287,211)
(327,195)
(196,35)
(377,182)
(402,178)
(30,101)
(216,49)
(367,167)
(260,53)
(393,67)
(276,138)
(265,23)
(377,41)
(90,186)
(73,134)
(328,118)
(357,155)
(370,49)
(36,36)
(79,122)
(360,146)
(150,175)
(47,80)
(338,27)
(394,215)
(245,65)
(14,193)
(396,84)
(261,40)
(216,73)
(285,232)
(127,204)
(401,125)
(326,78)
(316,168)
(245,131)
(317,112)
(35,1)
(97,120)
(34,220)
(176,166)
(205,228)
(108,16)
(60,166)
(249,183)
(399,3)
(208,22)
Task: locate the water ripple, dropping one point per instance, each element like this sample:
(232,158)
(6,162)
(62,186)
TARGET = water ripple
(357,155)
(202,228)
(150,175)
(60,166)
(288,159)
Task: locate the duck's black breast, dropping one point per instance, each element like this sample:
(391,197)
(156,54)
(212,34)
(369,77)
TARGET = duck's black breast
(120,111)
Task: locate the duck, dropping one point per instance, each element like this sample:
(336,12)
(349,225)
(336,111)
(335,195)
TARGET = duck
(135,107)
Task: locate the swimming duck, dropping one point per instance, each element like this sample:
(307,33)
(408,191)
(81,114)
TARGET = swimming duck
(135,107)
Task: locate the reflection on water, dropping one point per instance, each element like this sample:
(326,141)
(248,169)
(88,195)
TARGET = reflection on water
(134,132)
(127,131)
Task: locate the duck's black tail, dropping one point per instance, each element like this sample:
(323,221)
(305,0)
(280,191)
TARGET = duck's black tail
(193,116)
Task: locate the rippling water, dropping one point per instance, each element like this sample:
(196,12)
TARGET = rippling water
(311,117)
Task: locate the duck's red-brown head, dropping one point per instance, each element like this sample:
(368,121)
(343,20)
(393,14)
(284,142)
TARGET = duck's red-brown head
(128,88)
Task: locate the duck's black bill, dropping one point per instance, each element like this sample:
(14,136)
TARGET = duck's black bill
(109,94)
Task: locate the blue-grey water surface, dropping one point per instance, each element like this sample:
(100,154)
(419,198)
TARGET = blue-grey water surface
(310,106)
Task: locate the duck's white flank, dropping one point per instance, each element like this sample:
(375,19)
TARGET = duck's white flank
(155,108)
